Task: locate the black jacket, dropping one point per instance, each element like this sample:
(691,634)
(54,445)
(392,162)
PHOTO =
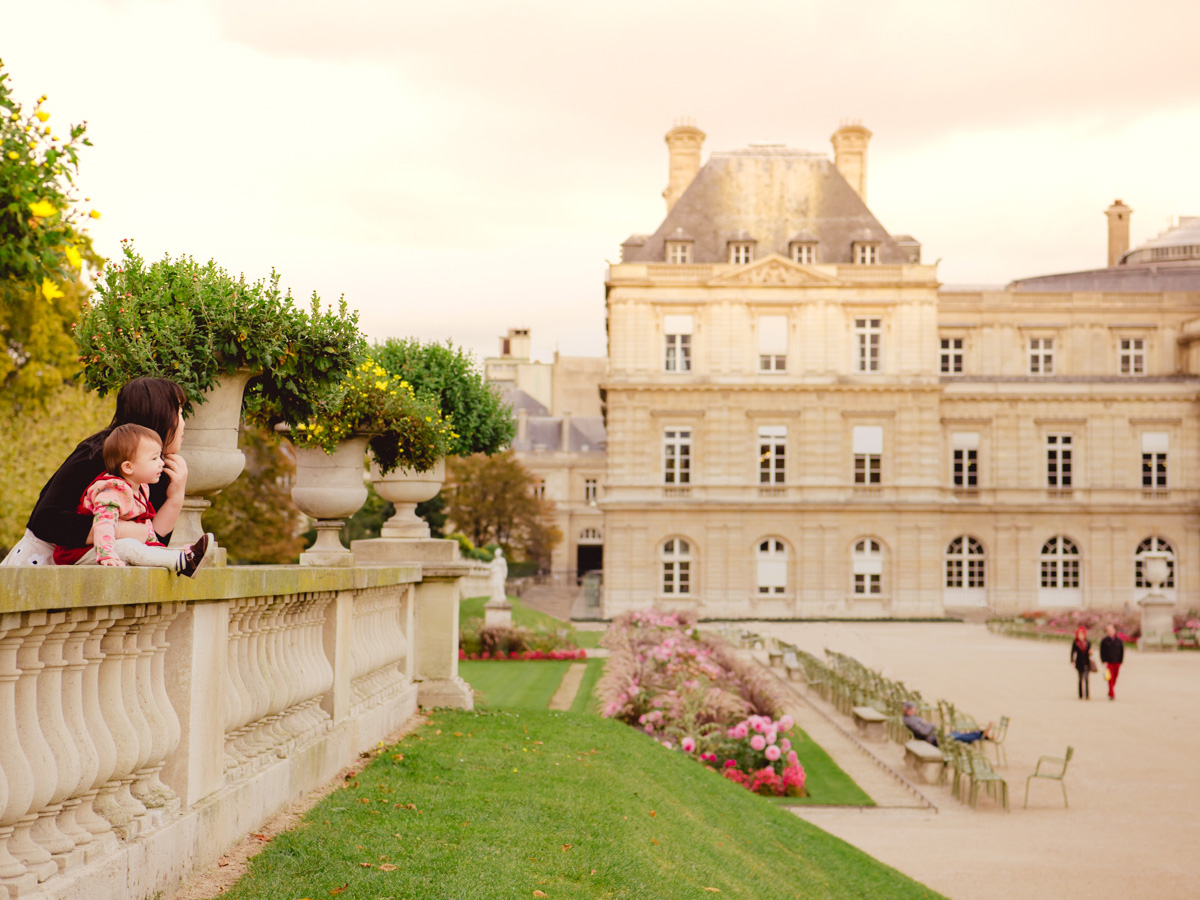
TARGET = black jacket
(1080,656)
(1112,650)
(55,517)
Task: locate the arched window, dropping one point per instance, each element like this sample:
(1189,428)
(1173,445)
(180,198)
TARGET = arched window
(965,563)
(772,567)
(1154,543)
(1060,573)
(676,567)
(868,568)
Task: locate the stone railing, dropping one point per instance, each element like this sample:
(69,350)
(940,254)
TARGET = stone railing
(151,720)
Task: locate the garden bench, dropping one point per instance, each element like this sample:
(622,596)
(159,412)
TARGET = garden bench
(870,722)
(774,654)
(924,759)
(792,665)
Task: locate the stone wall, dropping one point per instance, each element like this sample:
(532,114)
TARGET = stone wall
(152,721)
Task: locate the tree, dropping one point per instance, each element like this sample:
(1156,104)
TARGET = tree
(254,518)
(491,500)
(43,248)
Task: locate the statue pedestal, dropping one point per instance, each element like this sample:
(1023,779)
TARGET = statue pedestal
(497,613)
(1158,624)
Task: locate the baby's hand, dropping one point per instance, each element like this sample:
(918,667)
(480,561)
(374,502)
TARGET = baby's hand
(112,561)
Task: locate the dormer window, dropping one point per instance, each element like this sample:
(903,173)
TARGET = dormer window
(679,252)
(741,252)
(804,252)
(866,253)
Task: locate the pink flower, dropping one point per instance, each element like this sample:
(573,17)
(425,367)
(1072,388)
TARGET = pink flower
(786,723)
(731,763)
(772,735)
(758,742)
(739,731)
(785,744)
(688,745)
(773,753)
(667,744)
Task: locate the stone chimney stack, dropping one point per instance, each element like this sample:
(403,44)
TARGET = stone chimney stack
(850,155)
(1118,231)
(522,425)
(565,441)
(683,146)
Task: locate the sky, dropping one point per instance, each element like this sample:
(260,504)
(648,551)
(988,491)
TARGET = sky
(455,169)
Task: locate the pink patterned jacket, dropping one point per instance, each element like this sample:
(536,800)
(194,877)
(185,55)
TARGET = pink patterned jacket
(110,498)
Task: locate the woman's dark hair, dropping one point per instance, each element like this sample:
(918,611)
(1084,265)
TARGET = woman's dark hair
(152,402)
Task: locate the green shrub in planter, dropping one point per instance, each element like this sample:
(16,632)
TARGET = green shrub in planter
(194,323)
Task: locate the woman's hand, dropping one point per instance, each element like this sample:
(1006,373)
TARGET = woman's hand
(175,468)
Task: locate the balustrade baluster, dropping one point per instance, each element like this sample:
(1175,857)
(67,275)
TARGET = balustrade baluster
(77,730)
(148,787)
(98,623)
(239,705)
(142,731)
(114,802)
(15,874)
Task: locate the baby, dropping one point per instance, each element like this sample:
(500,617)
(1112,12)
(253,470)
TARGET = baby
(133,458)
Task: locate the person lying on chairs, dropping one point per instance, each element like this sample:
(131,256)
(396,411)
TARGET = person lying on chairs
(927,731)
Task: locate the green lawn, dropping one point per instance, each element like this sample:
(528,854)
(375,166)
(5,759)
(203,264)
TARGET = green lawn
(493,805)
(520,685)
(472,608)
(825,782)
(584,701)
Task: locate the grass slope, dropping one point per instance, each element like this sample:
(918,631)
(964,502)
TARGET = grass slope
(488,805)
(826,783)
(585,699)
(472,608)
(523,685)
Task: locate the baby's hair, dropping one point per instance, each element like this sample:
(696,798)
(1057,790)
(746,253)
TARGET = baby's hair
(122,443)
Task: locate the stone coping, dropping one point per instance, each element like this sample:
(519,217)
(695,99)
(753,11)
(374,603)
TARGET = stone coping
(24,588)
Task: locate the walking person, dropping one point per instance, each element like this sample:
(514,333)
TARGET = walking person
(1081,658)
(1112,654)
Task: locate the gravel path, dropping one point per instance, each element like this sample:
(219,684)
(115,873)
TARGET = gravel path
(1133,825)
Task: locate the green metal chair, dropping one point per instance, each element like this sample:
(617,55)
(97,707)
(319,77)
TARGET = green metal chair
(1053,776)
(997,743)
(981,773)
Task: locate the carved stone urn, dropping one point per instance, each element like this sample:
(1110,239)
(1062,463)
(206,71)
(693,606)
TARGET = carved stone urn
(330,487)
(210,449)
(405,488)
(1158,609)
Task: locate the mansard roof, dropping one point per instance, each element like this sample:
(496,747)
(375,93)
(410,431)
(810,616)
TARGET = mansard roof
(769,194)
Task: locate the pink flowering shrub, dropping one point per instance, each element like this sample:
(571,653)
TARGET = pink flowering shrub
(690,690)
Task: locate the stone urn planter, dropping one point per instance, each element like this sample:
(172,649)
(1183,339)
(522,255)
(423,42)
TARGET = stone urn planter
(1158,609)
(210,449)
(405,489)
(330,488)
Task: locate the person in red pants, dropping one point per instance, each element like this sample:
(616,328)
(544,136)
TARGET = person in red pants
(1112,654)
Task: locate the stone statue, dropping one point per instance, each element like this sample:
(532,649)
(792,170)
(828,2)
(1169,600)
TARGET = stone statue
(499,575)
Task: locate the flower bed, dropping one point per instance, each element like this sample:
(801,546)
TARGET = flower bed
(691,692)
(479,641)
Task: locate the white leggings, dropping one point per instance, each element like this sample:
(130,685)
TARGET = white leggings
(133,552)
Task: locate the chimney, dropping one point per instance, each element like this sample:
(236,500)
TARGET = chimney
(850,155)
(565,441)
(683,147)
(522,425)
(1118,231)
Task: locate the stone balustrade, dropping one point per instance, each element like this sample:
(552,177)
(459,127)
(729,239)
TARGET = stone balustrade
(152,720)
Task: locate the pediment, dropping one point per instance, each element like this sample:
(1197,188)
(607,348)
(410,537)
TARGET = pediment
(775,271)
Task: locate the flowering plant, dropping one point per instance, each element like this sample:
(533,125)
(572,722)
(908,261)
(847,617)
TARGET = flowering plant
(406,430)
(753,750)
(448,377)
(194,323)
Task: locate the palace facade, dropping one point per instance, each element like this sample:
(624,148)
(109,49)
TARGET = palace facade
(802,422)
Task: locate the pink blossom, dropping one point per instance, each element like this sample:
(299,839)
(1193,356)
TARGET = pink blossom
(786,723)
(649,729)
(772,735)
(758,742)
(731,763)
(773,753)
(688,745)
(739,731)
(785,744)
(667,744)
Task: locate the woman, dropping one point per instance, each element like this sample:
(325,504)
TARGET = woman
(1081,658)
(156,403)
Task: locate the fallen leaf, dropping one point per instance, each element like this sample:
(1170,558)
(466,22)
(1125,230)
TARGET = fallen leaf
(540,894)
(396,757)
(222,862)
(367,865)
(593,871)
(387,867)
(713,890)
(653,814)
(566,847)
(340,890)
(654,840)
(260,837)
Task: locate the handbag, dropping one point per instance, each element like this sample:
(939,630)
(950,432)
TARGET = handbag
(1091,665)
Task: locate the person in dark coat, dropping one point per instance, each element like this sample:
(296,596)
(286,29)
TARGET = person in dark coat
(1112,654)
(1081,659)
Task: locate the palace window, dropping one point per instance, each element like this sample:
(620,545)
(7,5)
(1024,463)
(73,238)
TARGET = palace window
(804,253)
(1058,461)
(1041,356)
(677,330)
(772,454)
(772,343)
(1154,460)
(677,456)
(539,489)
(1133,356)
(591,490)
(867,334)
(679,252)
(676,567)
(951,356)
(1060,564)
(868,454)
(866,254)
(868,568)
(741,252)
(964,446)
(965,563)
(772,567)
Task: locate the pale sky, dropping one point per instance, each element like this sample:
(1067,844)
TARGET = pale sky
(457,168)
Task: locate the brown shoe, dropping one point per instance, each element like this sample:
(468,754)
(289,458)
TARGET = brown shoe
(197,556)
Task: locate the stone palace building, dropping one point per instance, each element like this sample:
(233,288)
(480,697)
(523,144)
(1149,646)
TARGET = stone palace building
(802,421)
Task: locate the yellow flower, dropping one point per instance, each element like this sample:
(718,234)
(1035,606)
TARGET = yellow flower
(42,115)
(43,208)
(12,154)
(73,256)
(50,289)
(95,214)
